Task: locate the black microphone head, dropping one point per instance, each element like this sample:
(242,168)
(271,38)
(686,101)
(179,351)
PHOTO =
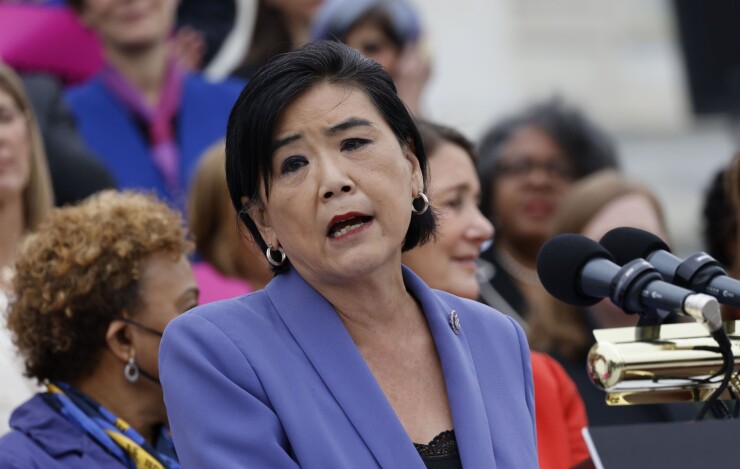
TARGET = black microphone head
(627,244)
(560,262)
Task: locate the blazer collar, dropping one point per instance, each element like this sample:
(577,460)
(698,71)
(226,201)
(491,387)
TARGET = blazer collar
(319,331)
(465,396)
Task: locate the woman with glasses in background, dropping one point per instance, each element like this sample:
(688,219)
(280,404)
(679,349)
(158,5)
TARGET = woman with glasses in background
(527,164)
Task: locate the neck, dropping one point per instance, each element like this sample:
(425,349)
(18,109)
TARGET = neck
(375,308)
(521,269)
(144,68)
(524,253)
(11,219)
(141,409)
(258,282)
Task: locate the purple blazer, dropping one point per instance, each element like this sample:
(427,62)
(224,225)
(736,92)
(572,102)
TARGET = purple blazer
(273,379)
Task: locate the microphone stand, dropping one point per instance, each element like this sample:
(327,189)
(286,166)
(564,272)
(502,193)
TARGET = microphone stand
(648,328)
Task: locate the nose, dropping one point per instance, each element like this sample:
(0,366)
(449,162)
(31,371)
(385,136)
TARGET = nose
(334,179)
(539,176)
(480,229)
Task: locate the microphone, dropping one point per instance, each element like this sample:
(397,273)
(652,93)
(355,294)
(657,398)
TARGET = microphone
(699,272)
(579,271)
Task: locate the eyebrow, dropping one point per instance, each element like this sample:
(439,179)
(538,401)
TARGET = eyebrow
(349,124)
(341,127)
(281,142)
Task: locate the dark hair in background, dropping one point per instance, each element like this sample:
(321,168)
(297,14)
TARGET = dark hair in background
(719,217)
(588,147)
(433,135)
(254,118)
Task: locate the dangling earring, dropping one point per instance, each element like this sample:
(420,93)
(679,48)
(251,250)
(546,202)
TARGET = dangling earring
(131,372)
(271,260)
(424,208)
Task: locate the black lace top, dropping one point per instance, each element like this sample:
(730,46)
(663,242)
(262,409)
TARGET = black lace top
(441,452)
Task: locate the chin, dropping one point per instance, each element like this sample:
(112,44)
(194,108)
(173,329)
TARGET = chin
(465,290)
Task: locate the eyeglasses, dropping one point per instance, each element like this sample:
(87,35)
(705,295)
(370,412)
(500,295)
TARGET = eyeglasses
(140,326)
(524,166)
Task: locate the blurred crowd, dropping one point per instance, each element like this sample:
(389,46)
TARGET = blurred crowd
(116,215)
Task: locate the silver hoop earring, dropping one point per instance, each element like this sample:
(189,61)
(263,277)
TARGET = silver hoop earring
(424,208)
(271,260)
(131,372)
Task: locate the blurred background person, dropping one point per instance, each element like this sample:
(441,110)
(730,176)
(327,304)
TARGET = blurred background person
(96,285)
(387,31)
(280,26)
(26,197)
(229,263)
(528,162)
(46,37)
(75,171)
(595,205)
(448,263)
(146,117)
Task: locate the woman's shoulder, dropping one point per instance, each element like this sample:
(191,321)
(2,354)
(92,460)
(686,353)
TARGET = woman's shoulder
(251,307)
(248,320)
(41,437)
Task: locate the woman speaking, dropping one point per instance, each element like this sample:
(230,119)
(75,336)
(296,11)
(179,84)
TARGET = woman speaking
(346,358)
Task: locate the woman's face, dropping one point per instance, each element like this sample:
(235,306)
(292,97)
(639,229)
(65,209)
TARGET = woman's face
(341,188)
(15,148)
(634,210)
(449,263)
(167,289)
(130,24)
(533,176)
(369,39)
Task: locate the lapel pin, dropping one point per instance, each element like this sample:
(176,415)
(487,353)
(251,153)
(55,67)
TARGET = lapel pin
(454,322)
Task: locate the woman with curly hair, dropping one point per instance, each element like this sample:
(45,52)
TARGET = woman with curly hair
(96,285)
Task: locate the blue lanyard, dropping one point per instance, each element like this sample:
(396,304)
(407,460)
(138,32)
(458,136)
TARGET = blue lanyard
(96,420)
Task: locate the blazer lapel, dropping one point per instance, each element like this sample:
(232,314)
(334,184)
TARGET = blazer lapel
(472,429)
(316,327)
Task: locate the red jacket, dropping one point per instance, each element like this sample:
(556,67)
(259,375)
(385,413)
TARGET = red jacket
(560,415)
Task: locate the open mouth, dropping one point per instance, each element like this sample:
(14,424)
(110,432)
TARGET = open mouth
(347,225)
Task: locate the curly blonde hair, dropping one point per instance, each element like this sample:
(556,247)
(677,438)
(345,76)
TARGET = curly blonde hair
(79,271)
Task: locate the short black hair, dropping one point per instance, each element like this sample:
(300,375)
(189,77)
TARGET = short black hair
(587,146)
(255,116)
(433,135)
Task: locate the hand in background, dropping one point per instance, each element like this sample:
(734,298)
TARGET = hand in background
(189,47)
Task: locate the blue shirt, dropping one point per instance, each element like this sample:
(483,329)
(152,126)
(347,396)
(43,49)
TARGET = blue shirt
(120,141)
